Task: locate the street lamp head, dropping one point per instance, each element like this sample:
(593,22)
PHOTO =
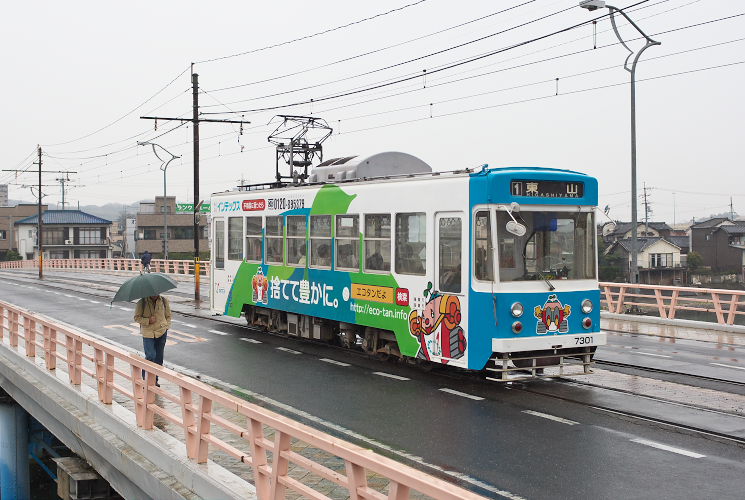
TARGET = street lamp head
(592,4)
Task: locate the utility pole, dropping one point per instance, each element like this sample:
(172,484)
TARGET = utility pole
(164,168)
(40,226)
(731,210)
(197,202)
(62,180)
(647,210)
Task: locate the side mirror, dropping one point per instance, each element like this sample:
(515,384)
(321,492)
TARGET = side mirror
(514,227)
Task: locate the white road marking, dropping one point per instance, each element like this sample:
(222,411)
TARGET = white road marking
(551,417)
(93,301)
(68,295)
(185,324)
(57,293)
(286,349)
(218,332)
(462,394)
(334,362)
(729,366)
(253,341)
(390,375)
(665,447)
(124,308)
(650,354)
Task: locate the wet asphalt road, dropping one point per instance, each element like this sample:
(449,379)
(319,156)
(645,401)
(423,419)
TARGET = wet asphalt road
(502,439)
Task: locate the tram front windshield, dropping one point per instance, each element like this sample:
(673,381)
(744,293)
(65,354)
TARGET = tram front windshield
(556,245)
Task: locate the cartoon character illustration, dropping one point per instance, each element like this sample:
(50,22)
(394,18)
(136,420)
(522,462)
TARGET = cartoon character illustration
(552,317)
(437,328)
(260,285)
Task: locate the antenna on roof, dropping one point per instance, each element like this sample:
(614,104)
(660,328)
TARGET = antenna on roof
(298,140)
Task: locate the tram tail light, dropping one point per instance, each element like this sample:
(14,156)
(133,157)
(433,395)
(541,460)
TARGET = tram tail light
(517,309)
(517,327)
(587,306)
(587,323)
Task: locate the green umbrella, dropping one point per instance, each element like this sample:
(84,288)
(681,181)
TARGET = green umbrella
(144,285)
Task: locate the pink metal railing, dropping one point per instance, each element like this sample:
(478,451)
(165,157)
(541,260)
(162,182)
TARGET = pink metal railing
(118,264)
(668,300)
(85,356)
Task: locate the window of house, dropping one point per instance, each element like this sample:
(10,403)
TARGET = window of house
(253,239)
(660,260)
(235,238)
(88,236)
(449,273)
(348,241)
(482,259)
(320,241)
(219,244)
(296,245)
(3,235)
(149,234)
(54,236)
(183,233)
(378,242)
(411,243)
(274,236)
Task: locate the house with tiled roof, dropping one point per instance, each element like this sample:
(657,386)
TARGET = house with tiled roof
(621,230)
(721,244)
(658,260)
(66,234)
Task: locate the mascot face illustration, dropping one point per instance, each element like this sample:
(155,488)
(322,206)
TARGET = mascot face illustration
(552,317)
(437,328)
(260,284)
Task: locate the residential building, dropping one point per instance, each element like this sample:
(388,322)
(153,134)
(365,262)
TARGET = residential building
(150,233)
(658,260)
(8,217)
(68,234)
(721,244)
(622,230)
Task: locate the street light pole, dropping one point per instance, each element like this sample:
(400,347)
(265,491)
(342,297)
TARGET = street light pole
(163,167)
(592,5)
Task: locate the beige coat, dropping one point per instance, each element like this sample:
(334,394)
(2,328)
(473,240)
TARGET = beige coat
(160,310)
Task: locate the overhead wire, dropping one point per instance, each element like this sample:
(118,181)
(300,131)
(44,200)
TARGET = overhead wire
(313,35)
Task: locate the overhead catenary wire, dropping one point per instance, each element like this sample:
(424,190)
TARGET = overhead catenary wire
(312,35)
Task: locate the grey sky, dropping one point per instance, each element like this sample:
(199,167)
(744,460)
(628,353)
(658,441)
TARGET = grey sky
(72,68)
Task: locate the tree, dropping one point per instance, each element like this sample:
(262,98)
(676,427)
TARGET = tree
(610,267)
(11,255)
(695,261)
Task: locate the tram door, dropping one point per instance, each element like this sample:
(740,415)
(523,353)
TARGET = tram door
(449,253)
(217,276)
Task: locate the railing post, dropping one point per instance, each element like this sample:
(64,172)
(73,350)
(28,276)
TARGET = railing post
(732,309)
(205,410)
(609,299)
(13,329)
(2,322)
(620,299)
(258,457)
(29,333)
(104,376)
(50,347)
(356,479)
(717,307)
(398,491)
(280,465)
(660,303)
(74,359)
(190,429)
(673,304)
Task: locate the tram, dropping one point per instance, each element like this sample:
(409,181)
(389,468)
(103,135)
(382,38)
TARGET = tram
(489,269)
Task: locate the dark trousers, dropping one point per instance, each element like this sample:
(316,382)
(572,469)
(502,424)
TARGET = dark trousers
(154,350)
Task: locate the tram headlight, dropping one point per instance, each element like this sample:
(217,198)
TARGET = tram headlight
(517,309)
(517,327)
(587,306)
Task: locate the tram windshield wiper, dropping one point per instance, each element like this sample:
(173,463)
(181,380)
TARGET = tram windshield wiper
(551,287)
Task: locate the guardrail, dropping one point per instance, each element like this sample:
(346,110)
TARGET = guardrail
(158,265)
(116,371)
(668,300)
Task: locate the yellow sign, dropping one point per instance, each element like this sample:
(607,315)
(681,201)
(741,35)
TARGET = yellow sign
(372,293)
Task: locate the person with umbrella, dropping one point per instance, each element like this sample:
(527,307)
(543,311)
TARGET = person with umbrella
(146,258)
(153,311)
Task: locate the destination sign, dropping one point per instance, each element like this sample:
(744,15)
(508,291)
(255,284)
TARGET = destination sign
(548,189)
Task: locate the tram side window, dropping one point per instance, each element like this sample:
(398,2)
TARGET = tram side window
(320,241)
(219,244)
(274,237)
(482,259)
(449,273)
(253,239)
(411,243)
(348,241)
(235,238)
(296,231)
(378,242)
